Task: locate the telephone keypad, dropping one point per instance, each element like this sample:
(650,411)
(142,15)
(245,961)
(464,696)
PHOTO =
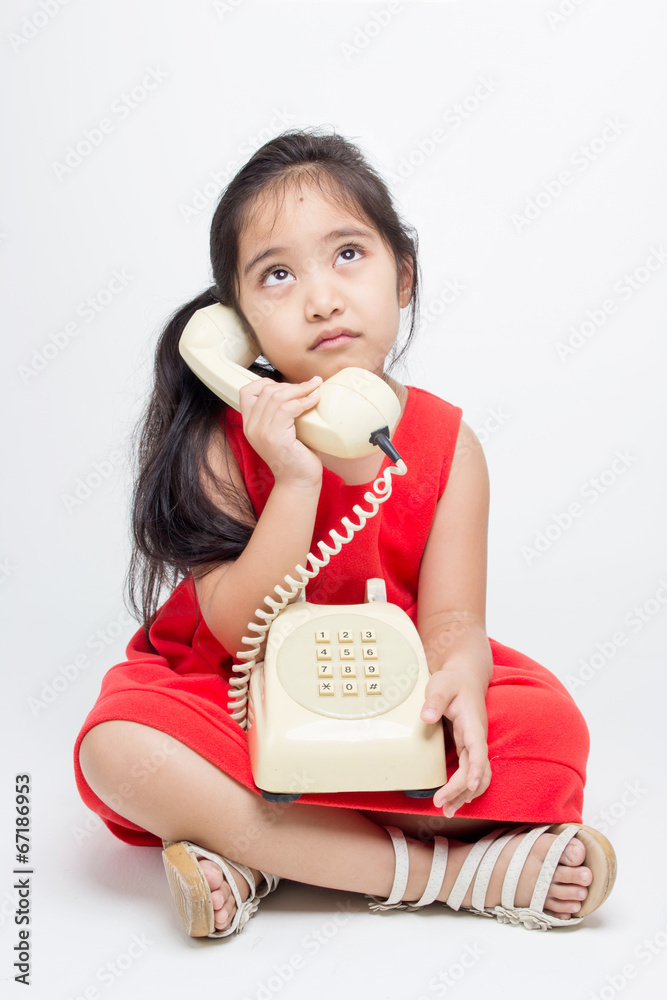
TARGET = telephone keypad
(349,665)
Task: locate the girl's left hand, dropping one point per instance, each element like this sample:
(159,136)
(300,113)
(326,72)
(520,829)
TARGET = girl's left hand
(461,700)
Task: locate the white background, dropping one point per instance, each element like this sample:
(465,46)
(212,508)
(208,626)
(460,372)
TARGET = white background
(226,77)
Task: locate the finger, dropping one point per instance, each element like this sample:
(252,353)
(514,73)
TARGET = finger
(436,702)
(263,390)
(450,799)
(456,787)
(287,399)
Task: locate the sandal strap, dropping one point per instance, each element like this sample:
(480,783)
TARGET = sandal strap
(400,877)
(469,867)
(516,864)
(485,870)
(549,865)
(436,878)
(246,908)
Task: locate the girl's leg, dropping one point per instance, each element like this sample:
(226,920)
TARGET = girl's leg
(185,797)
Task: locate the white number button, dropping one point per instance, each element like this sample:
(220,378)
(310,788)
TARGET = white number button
(370,652)
(349,687)
(324,652)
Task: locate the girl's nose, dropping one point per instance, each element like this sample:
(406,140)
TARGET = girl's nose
(322,298)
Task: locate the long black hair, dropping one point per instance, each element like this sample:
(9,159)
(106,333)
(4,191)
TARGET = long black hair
(175,524)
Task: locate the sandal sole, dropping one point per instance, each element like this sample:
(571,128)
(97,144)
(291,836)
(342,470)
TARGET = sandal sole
(600,858)
(190,891)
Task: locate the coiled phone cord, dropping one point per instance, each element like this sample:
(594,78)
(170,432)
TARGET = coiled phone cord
(237,705)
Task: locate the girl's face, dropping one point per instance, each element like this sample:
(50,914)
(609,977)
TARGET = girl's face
(310,269)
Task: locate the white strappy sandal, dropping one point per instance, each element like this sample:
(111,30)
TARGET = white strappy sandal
(192,894)
(479,864)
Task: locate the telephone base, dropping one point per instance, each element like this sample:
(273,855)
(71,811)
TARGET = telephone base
(413,793)
(279,796)
(421,793)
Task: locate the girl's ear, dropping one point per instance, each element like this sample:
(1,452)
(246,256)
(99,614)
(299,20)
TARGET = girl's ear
(405,284)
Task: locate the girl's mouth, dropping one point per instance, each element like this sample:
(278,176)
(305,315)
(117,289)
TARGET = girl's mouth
(332,342)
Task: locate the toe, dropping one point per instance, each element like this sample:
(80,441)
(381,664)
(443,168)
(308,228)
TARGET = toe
(570,892)
(573,876)
(212,873)
(574,853)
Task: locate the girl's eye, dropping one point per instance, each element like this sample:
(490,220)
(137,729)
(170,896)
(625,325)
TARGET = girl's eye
(351,249)
(270,274)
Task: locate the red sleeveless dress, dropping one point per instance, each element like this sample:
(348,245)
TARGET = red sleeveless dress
(179,682)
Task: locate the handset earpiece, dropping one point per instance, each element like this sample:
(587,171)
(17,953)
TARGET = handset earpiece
(354,403)
(218,350)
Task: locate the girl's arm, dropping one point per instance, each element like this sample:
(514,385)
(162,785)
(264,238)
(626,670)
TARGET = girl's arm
(230,592)
(451,620)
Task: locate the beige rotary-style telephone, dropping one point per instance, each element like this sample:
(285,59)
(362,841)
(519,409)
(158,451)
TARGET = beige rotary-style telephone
(335,705)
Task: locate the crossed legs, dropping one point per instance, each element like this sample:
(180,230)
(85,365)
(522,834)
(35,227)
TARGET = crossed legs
(188,798)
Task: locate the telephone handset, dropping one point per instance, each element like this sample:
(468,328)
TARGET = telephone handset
(335,705)
(353,402)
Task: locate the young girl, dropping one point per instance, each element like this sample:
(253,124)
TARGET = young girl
(308,249)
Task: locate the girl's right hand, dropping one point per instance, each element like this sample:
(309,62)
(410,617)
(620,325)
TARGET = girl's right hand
(269,409)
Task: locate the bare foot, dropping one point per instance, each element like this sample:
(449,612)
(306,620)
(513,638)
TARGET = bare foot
(224,904)
(566,893)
